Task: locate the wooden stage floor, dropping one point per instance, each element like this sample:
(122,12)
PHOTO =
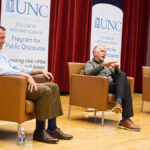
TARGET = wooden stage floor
(88,135)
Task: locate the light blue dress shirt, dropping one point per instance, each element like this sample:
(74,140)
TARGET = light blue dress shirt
(7,67)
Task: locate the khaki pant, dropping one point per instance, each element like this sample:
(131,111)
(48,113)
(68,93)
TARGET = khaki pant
(47,101)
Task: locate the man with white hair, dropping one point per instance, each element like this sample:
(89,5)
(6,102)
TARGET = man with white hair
(117,84)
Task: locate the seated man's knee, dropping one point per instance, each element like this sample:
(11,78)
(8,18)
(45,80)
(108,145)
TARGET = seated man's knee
(54,86)
(46,91)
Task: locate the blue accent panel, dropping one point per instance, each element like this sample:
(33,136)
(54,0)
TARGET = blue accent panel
(117,3)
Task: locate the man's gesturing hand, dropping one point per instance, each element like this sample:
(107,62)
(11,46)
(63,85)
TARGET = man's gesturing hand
(111,64)
(108,63)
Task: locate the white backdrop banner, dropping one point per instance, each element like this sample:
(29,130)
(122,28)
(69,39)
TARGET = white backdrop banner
(107,30)
(27,34)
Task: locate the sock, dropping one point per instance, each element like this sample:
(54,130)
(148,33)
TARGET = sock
(52,124)
(118,99)
(40,125)
(124,119)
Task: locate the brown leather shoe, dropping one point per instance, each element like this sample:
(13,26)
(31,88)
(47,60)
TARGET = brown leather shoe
(59,134)
(117,108)
(44,137)
(129,125)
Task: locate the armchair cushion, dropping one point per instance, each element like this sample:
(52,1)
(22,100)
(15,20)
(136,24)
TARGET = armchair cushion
(82,72)
(30,108)
(111,98)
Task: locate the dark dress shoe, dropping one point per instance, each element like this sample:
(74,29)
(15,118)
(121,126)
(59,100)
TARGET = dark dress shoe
(59,134)
(117,108)
(44,137)
(129,125)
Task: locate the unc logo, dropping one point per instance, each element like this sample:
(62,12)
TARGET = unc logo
(24,7)
(107,24)
(97,23)
(10,5)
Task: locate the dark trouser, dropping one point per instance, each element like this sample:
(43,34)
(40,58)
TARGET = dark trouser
(121,88)
(47,105)
(47,101)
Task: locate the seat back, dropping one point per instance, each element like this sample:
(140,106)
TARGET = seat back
(145,83)
(74,68)
(146,71)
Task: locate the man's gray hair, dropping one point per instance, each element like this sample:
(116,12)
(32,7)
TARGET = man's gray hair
(97,47)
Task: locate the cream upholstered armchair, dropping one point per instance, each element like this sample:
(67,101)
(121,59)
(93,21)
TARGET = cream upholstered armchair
(13,104)
(145,85)
(90,91)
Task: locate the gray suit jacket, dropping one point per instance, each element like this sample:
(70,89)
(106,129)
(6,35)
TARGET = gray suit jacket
(94,67)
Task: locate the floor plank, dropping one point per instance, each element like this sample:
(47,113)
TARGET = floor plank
(88,134)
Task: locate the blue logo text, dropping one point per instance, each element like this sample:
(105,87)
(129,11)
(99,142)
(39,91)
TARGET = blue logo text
(108,24)
(27,8)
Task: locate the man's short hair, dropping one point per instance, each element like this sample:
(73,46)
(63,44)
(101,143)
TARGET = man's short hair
(3,28)
(96,48)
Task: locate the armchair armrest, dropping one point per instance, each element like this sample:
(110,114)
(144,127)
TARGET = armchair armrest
(145,88)
(12,96)
(146,71)
(131,83)
(97,85)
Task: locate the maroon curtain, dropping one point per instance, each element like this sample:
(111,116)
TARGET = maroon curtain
(69,37)
(134,38)
(70,27)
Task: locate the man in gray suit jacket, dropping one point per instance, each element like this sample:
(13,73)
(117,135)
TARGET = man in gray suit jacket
(117,84)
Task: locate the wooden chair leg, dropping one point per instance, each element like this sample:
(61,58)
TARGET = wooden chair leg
(142,106)
(95,116)
(19,130)
(69,111)
(102,118)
